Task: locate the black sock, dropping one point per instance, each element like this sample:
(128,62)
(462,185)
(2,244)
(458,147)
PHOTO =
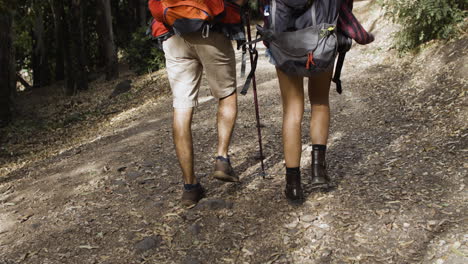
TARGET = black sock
(224,159)
(189,187)
(292,171)
(319,147)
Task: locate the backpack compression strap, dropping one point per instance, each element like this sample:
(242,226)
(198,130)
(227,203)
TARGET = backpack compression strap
(339,65)
(261,35)
(253,66)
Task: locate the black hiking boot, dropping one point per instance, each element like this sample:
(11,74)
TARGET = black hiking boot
(293,188)
(318,176)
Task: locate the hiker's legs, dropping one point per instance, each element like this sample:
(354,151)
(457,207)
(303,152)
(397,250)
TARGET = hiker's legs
(319,87)
(226,119)
(227,114)
(219,61)
(184,72)
(182,134)
(292,95)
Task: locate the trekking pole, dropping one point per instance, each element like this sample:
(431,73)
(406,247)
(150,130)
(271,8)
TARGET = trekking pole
(253,51)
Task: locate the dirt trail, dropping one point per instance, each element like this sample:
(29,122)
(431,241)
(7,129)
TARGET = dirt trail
(397,157)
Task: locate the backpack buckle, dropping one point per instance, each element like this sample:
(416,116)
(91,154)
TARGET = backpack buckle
(325,32)
(206,31)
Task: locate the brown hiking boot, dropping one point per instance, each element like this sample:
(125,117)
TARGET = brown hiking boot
(224,171)
(293,188)
(319,177)
(191,197)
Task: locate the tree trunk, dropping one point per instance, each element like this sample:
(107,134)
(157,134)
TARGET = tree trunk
(69,87)
(5,65)
(40,63)
(78,51)
(13,81)
(142,11)
(106,39)
(57,10)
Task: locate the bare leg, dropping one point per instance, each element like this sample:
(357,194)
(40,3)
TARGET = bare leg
(226,119)
(292,95)
(182,134)
(319,87)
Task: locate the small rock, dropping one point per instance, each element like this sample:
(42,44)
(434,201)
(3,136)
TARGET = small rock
(194,229)
(133,175)
(215,204)
(456,245)
(148,243)
(148,163)
(308,218)
(118,182)
(440,261)
(322,226)
(406,225)
(326,252)
(225,244)
(190,216)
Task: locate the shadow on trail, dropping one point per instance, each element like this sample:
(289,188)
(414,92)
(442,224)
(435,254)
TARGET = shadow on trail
(106,197)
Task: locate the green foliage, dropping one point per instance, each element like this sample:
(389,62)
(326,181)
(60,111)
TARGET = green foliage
(142,54)
(22,38)
(425,20)
(6,5)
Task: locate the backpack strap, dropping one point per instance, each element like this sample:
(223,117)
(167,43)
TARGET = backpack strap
(253,66)
(339,65)
(243,14)
(344,45)
(244,61)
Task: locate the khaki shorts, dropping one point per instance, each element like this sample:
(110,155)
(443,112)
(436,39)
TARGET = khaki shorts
(185,59)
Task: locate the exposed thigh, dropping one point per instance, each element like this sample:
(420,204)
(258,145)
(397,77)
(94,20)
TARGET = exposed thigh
(292,87)
(319,87)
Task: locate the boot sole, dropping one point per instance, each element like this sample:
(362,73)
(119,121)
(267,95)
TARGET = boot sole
(219,175)
(192,202)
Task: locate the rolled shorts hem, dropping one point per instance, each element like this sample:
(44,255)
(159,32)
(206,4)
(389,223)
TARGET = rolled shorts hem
(226,94)
(178,104)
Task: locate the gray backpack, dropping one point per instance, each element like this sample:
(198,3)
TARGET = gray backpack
(303,38)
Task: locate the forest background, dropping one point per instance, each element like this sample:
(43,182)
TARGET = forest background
(84,152)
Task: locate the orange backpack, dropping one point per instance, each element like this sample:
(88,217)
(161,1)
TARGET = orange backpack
(186,16)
